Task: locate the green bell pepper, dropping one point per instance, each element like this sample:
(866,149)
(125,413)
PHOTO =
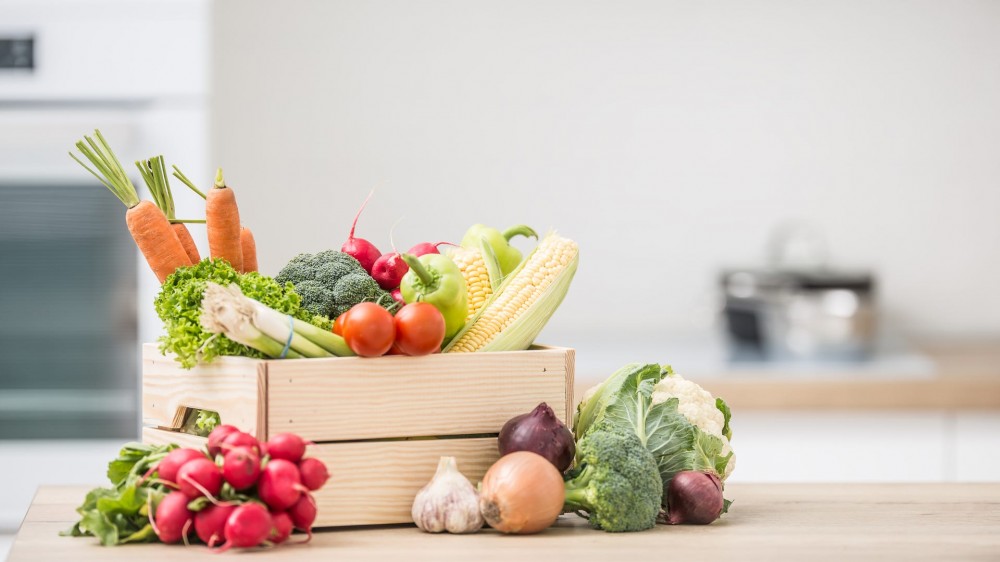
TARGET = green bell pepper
(435,279)
(508,256)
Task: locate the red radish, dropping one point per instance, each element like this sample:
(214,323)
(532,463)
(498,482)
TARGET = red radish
(240,439)
(173,518)
(199,477)
(359,248)
(249,525)
(303,513)
(314,473)
(241,467)
(281,527)
(280,484)
(217,436)
(210,523)
(427,248)
(168,467)
(389,270)
(286,446)
(397,295)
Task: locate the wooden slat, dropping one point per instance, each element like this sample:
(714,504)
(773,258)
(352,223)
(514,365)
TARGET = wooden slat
(453,394)
(233,387)
(374,483)
(154,436)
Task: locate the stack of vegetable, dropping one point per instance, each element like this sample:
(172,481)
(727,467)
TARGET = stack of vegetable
(236,492)
(647,446)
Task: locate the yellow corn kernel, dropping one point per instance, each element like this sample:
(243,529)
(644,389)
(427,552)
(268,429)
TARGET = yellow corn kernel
(477,278)
(554,260)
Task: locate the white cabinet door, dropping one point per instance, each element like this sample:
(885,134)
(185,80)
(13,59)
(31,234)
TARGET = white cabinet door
(977,446)
(842,446)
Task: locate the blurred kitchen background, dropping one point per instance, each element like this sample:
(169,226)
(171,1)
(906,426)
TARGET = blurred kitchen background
(795,204)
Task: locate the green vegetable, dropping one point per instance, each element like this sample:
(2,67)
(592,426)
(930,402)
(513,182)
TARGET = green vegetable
(624,402)
(507,256)
(615,481)
(331,282)
(179,306)
(434,278)
(119,514)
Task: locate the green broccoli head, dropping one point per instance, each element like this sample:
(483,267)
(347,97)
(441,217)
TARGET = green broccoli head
(331,282)
(616,481)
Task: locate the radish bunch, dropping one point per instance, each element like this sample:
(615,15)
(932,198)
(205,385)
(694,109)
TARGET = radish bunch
(239,492)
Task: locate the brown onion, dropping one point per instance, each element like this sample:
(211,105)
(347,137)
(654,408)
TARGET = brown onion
(522,493)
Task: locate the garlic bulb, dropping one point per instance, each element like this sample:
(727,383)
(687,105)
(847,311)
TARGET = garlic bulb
(448,502)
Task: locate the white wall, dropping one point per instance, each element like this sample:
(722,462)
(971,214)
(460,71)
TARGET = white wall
(666,137)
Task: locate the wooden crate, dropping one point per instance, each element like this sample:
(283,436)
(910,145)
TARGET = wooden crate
(379,424)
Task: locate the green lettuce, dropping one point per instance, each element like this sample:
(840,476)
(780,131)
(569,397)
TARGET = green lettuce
(625,401)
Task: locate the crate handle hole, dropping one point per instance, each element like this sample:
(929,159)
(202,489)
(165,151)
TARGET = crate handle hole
(195,421)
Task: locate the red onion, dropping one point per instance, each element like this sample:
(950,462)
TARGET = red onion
(694,497)
(539,431)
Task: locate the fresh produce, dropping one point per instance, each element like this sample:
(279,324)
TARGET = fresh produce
(435,279)
(522,493)
(331,282)
(249,525)
(629,400)
(147,224)
(222,221)
(482,274)
(389,270)
(397,295)
(360,249)
(215,502)
(314,473)
(225,310)
(615,481)
(419,329)
(369,330)
(210,523)
(524,302)
(286,446)
(173,520)
(426,248)
(154,173)
(694,497)
(179,307)
(248,247)
(217,436)
(508,256)
(241,468)
(247,244)
(448,502)
(539,431)
(280,485)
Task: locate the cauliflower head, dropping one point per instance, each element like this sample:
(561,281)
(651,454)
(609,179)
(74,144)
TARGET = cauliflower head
(699,407)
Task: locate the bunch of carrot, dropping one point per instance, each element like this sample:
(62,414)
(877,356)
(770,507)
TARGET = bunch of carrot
(162,238)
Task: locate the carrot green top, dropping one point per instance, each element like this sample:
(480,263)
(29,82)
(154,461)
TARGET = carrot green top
(154,173)
(109,169)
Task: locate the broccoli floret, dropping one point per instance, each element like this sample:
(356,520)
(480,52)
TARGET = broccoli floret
(331,282)
(616,481)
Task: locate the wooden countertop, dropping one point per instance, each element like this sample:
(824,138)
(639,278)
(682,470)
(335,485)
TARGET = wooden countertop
(768,522)
(966,377)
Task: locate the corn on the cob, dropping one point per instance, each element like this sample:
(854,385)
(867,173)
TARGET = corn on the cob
(524,303)
(477,278)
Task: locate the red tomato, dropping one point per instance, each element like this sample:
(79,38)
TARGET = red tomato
(338,324)
(368,329)
(419,329)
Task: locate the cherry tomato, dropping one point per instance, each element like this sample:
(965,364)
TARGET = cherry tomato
(338,324)
(419,329)
(368,329)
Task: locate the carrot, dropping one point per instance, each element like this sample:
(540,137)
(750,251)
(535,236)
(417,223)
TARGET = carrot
(181,230)
(147,224)
(222,218)
(154,173)
(249,246)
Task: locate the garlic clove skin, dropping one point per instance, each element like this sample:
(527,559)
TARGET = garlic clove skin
(448,502)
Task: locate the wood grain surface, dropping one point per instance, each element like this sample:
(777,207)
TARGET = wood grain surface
(877,522)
